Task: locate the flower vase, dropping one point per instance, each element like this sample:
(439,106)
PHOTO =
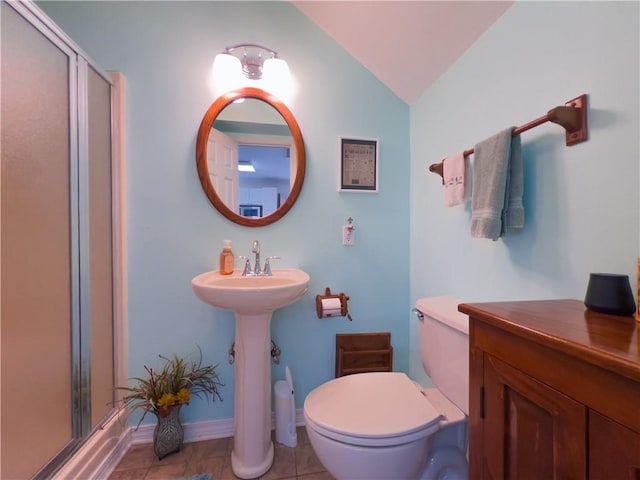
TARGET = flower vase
(168,434)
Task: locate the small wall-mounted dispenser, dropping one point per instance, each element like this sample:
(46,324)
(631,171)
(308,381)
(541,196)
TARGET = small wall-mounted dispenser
(348,233)
(330,305)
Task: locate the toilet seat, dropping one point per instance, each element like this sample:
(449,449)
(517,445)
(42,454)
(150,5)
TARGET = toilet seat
(371,409)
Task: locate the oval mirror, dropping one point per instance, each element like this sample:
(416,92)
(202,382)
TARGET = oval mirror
(250,130)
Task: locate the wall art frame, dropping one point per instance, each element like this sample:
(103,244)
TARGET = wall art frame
(359,164)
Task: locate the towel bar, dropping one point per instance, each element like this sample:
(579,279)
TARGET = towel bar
(572,116)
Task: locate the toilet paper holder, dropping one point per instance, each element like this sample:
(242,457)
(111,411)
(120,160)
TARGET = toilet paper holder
(329,308)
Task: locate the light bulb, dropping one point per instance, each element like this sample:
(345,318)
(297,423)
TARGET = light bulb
(276,78)
(227,72)
(276,70)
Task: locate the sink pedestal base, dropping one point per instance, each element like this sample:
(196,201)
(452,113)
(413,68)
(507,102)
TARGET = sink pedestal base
(252,453)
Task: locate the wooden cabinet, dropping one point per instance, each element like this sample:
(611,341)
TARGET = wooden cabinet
(554,392)
(614,449)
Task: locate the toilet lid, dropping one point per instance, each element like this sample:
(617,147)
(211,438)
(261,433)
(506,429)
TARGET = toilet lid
(370,405)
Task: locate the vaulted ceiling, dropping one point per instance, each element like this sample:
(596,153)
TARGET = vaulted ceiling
(407,45)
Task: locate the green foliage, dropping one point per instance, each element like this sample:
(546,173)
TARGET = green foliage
(174,384)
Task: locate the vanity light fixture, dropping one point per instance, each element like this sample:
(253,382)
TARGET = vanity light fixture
(254,61)
(246,167)
(251,65)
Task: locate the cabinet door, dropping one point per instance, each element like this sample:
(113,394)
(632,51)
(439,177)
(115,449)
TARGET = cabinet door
(614,450)
(530,431)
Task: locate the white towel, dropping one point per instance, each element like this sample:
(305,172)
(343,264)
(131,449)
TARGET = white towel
(457,185)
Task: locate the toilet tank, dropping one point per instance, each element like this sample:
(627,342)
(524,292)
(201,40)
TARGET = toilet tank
(444,346)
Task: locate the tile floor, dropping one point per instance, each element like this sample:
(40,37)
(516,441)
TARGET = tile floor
(214,457)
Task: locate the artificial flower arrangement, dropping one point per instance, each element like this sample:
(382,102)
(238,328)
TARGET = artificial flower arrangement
(171,386)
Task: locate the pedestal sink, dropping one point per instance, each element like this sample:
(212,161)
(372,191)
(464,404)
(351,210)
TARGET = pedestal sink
(253,300)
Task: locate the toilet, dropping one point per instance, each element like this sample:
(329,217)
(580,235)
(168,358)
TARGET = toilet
(383,425)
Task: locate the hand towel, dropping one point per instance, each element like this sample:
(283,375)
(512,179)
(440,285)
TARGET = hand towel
(490,185)
(515,206)
(457,186)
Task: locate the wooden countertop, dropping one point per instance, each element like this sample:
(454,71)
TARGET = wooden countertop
(608,341)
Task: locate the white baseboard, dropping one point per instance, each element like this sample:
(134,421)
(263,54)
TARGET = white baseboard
(193,432)
(196,432)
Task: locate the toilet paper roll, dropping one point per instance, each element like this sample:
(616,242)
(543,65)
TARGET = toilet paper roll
(331,306)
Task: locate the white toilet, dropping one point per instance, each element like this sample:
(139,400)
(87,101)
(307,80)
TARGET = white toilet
(383,425)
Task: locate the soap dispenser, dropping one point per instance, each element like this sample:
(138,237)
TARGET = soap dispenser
(226,259)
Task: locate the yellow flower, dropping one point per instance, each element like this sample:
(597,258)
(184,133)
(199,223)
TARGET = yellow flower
(166,400)
(184,395)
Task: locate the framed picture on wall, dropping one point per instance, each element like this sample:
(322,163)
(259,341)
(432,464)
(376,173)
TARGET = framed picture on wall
(358,165)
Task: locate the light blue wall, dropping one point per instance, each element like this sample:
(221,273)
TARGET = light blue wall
(582,208)
(165,50)
(581,202)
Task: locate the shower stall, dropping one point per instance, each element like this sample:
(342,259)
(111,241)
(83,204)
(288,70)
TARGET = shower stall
(60,238)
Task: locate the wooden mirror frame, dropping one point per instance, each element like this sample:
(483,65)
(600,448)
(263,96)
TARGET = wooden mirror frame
(201,155)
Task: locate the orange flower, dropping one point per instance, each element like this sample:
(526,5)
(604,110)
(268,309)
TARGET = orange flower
(166,400)
(184,395)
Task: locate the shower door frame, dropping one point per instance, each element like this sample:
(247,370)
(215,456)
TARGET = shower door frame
(82,429)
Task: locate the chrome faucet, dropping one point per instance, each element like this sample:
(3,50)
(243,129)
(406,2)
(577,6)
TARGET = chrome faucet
(257,270)
(256,249)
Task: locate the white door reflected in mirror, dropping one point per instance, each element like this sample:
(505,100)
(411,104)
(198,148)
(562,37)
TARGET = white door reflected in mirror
(222,160)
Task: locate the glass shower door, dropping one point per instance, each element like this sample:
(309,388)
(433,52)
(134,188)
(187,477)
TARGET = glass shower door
(56,254)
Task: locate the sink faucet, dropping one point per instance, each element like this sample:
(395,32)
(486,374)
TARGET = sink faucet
(256,249)
(257,270)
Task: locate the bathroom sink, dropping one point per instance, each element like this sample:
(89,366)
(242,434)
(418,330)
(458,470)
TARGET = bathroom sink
(252,298)
(251,294)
